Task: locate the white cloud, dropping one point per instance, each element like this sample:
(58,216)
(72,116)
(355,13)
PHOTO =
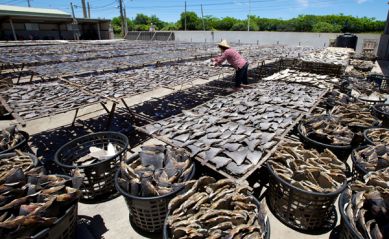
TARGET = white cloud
(305,3)
(361,1)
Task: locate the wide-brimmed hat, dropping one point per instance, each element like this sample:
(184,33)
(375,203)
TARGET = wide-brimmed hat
(224,44)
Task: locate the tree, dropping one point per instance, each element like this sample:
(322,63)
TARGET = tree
(157,22)
(226,23)
(192,21)
(301,23)
(116,25)
(239,26)
(325,27)
(141,19)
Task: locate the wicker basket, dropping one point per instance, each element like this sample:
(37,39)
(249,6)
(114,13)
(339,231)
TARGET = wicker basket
(63,228)
(372,102)
(309,212)
(342,152)
(98,177)
(346,230)
(166,231)
(22,145)
(149,213)
(33,158)
(367,139)
(377,112)
(358,170)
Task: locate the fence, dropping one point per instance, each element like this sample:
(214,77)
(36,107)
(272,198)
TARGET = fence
(150,36)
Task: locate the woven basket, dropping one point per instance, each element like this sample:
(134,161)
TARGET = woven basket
(358,170)
(309,212)
(149,213)
(346,230)
(22,145)
(377,112)
(98,177)
(372,102)
(63,228)
(166,231)
(367,139)
(342,152)
(33,158)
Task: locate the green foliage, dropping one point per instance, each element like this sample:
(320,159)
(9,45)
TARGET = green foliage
(326,27)
(170,27)
(141,19)
(302,23)
(239,26)
(192,21)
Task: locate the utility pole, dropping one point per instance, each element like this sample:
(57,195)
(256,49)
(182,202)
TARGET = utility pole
(28,2)
(74,24)
(386,31)
(202,17)
(185,15)
(84,8)
(125,20)
(88,10)
(71,6)
(248,17)
(121,16)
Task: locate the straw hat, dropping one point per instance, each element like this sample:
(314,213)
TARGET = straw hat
(224,43)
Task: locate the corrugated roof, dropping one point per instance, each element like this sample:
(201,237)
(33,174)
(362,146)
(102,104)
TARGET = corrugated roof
(6,10)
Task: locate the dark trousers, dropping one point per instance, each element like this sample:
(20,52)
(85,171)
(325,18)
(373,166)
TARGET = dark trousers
(241,76)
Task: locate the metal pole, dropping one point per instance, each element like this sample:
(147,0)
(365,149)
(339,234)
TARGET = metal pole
(71,6)
(98,30)
(125,20)
(13,29)
(202,16)
(28,2)
(248,17)
(88,10)
(185,15)
(121,16)
(84,9)
(386,31)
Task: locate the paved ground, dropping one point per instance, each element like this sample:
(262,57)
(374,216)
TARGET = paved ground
(110,219)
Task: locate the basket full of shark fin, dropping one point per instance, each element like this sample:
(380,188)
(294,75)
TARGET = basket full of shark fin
(381,111)
(220,209)
(38,206)
(11,138)
(364,207)
(304,185)
(150,181)
(325,132)
(95,158)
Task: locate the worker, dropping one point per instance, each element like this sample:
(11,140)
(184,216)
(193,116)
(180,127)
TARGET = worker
(235,60)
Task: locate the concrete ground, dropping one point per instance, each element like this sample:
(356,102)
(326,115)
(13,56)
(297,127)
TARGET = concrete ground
(110,219)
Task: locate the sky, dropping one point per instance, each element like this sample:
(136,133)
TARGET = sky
(169,10)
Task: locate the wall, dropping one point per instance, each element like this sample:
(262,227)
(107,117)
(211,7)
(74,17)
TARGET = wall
(50,31)
(266,38)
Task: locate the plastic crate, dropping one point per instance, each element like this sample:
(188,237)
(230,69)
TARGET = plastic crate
(98,177)
(309,212)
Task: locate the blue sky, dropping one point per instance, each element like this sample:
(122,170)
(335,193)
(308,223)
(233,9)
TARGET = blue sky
(169,10)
